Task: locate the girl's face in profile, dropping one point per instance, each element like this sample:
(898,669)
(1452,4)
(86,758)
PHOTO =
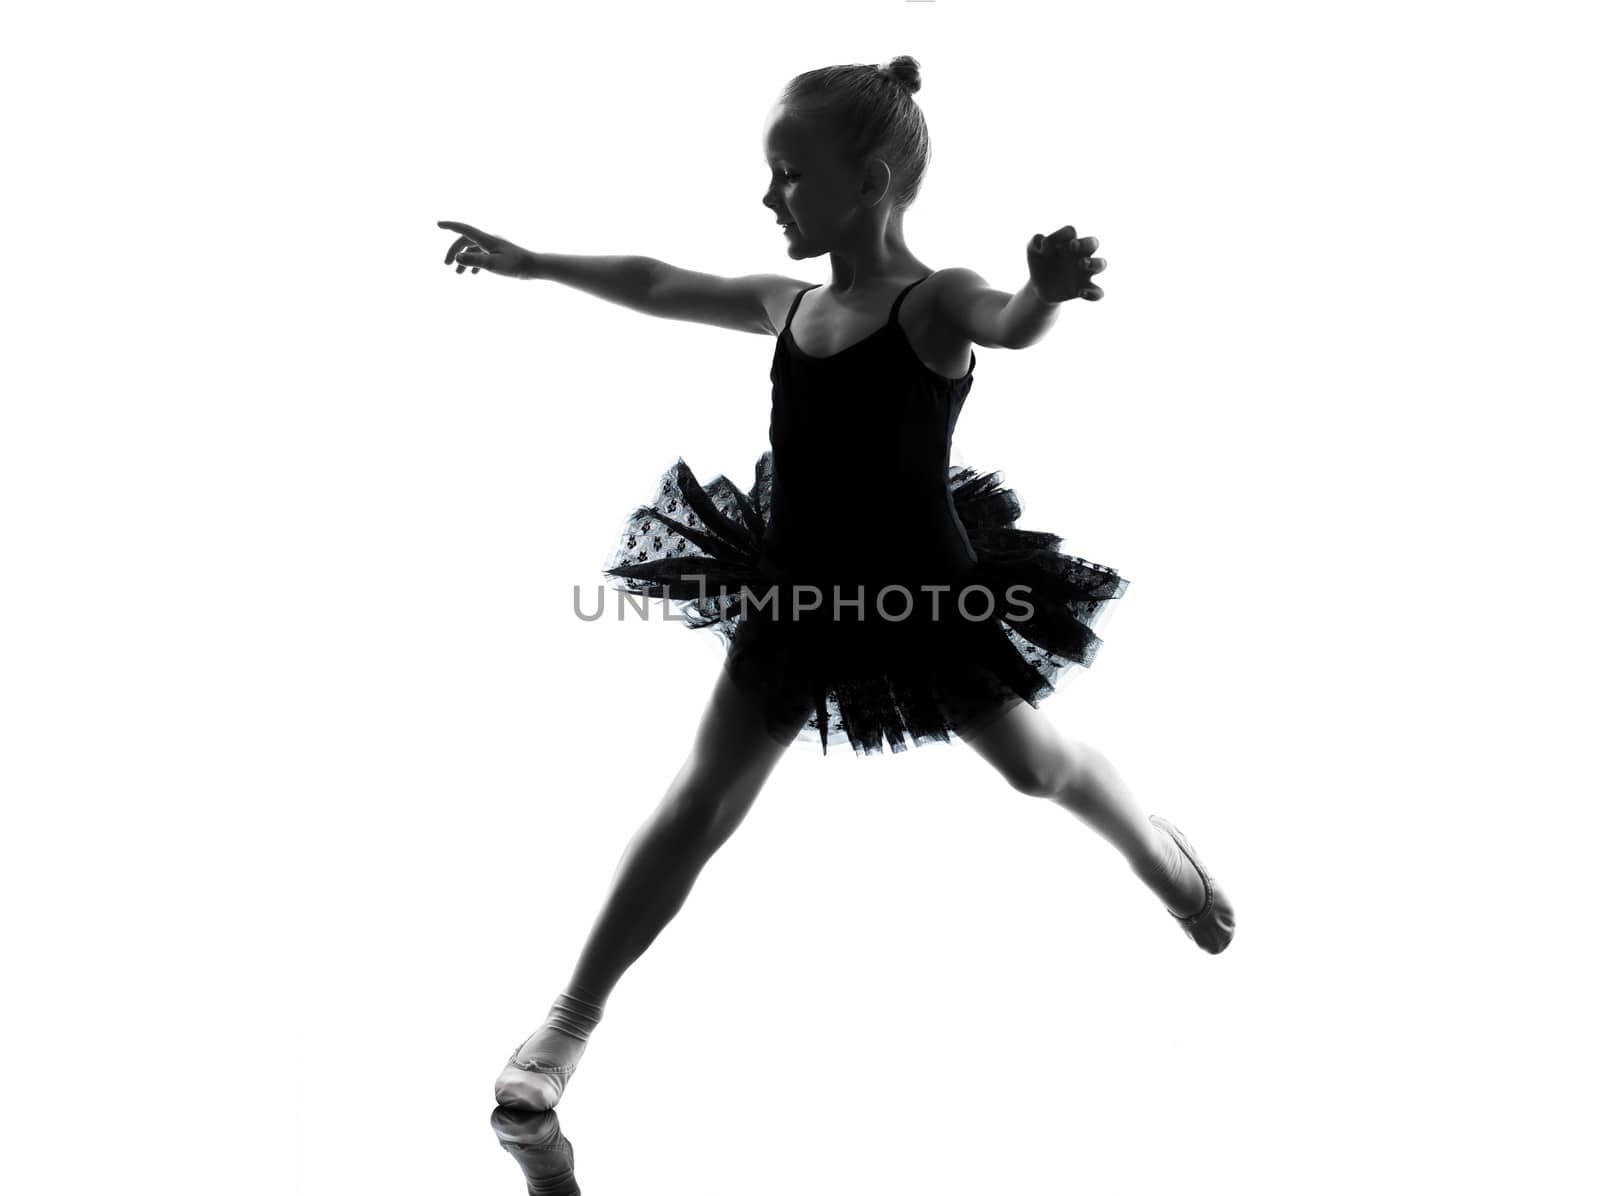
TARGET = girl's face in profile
(810,191)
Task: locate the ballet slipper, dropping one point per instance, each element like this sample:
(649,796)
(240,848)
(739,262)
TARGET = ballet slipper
(1210,926)
(570,1014)
(541,1094)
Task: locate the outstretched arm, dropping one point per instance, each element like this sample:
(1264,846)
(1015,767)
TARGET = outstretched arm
(643,284)
(655,288)
(1059,268)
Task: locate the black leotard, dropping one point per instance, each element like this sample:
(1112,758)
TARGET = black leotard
(856,494)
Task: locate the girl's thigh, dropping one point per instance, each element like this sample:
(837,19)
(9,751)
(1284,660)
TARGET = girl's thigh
(736,746)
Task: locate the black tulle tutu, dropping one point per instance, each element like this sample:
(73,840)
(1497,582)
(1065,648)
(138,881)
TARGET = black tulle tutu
(907,680)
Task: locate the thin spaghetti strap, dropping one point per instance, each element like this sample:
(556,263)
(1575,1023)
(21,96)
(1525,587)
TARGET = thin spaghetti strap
(894,311)
(790,318)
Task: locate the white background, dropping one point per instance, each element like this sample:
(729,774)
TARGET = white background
(314,783)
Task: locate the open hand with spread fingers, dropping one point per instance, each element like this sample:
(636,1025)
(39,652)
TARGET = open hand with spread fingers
(1061,266)
(477,250)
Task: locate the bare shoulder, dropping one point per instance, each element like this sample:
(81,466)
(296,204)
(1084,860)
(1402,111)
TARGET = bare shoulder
(952,287)
(778,294)
(964,306)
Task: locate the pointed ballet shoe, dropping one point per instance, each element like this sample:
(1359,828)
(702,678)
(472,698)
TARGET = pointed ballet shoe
(556,1076)
(574,1013)
(1210,926)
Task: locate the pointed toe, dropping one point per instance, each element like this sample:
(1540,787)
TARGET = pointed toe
(1211,926)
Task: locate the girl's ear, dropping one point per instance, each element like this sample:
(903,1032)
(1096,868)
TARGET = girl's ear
(875,182)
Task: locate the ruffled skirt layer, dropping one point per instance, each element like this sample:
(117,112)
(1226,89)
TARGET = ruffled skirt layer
(869,661)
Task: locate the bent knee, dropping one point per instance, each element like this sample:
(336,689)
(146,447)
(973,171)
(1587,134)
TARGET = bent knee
(1039,783)
(1056,775)
(708,809)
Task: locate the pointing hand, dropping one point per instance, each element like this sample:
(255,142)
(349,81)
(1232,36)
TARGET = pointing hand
(479,250)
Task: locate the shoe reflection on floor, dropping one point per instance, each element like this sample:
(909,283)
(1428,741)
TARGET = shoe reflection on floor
(533,1137)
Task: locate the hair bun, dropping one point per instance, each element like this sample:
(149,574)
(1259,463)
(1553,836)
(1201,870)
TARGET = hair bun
(905,71)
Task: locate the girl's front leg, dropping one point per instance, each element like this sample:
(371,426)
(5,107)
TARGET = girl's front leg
(1036,759)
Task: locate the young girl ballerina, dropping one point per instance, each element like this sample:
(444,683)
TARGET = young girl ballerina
(864,589)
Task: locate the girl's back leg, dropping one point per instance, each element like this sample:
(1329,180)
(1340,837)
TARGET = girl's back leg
(1035,758)
(732,756)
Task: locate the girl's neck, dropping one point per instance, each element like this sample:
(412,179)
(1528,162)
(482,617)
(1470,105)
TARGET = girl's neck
(855,268)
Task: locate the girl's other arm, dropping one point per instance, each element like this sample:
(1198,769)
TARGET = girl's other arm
(989,317)
(1059,269)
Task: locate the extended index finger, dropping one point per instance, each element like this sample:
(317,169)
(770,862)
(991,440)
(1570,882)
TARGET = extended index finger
(469,236)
